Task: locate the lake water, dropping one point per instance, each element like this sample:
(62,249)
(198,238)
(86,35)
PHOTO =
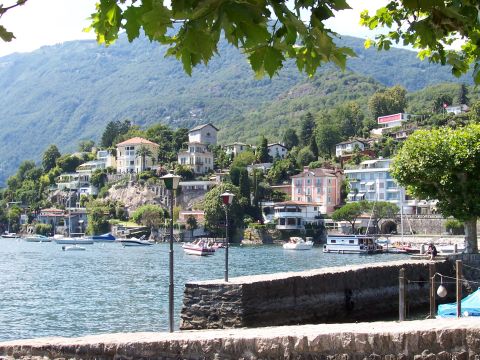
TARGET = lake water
(45,291)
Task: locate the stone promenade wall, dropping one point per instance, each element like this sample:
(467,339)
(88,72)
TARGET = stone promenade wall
(411,340)
(342,294)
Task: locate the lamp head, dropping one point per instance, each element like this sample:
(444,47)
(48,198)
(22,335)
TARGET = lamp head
(227,197)
(171,181)
(442,291)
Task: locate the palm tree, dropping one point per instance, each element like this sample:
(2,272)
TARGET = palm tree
(143,152)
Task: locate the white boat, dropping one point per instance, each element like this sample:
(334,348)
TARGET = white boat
(9,235)
(73,248)
(350,244)
(134,242)
(200,248)
(73,241)
(38,238)
(297,243)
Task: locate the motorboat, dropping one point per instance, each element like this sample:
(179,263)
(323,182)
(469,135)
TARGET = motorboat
(351,244)
(73,248)
(38,238)
(73,240)
(134,242)
(407,248)
(200,248)
(9,235)
(298,243)
(108,237)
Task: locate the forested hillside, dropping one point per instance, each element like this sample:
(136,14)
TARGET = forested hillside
(69,92)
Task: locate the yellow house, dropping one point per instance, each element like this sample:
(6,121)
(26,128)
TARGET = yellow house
(136,155)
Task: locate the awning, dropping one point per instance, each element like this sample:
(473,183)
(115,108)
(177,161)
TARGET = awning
(370,183)
(351,196)
(360,195)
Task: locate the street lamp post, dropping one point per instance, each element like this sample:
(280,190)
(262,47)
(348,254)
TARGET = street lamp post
(171,183)
(227,198)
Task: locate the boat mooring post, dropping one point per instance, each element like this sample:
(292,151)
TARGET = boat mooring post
(401,295)
(431,275)
(459,287)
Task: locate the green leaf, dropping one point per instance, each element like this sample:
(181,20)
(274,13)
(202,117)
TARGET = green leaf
(5,35)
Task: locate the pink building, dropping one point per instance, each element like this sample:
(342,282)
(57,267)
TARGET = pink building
(318,186)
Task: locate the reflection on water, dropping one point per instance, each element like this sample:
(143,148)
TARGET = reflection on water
(45,291)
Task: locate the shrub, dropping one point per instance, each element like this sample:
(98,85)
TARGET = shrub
(454,226)
(43,229)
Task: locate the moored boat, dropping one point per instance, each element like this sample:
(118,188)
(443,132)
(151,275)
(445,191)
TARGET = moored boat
(9,235)
(200,248)
(297,243)
(351,244)
(38,238)
(134,242)
(73,241)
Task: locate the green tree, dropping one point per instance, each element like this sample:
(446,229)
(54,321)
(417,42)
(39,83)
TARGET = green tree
(68,163)
(281,171)
(50,157)
(388,101)
(305,156)
(350,213)
(313,147)
(290,138)
(86,145)
(97,216)
(307,129)
(149,215)
(98,178)
(185,172)
(244,185)
(328,135)
(438,104)
(462,95)
(113,131)
(474,113)
(442,164)
(215,211)
(244,159)
(432,27)
(143,152)
(262,152)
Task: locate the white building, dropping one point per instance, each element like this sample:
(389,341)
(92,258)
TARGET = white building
(294,215)
(348,147)
(372,182)
(130,161)
(236,148)
(197,156)
(277,151)
(203,134)
(458,109)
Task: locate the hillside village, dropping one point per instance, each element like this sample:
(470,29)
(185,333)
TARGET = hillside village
(280,188)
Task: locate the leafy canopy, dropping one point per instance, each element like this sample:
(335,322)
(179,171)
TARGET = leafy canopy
(192,30)
(443,164)
(432,26)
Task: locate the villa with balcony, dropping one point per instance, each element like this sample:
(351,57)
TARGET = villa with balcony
(198,156)
(318,186)
(129,158)
(294,215)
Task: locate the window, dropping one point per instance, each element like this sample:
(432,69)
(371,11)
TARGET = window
(132,162)
(319,190)
(308,181)
(333,241)
(299,191)
(351,241)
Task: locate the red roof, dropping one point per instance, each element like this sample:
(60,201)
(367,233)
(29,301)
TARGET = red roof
(136,141)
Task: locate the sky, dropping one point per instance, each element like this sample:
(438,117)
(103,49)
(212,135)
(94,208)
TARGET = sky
(49,22)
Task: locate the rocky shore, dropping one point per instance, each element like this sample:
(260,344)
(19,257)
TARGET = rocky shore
(421,339)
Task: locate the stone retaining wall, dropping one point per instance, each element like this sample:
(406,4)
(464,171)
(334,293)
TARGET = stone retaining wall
(410,340)
(342,294)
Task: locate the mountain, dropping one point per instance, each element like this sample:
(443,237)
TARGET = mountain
(65,93)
